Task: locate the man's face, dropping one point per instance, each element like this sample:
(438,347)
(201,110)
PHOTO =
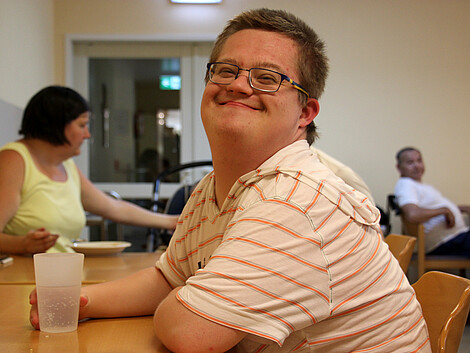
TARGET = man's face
(248,117)
(411,165)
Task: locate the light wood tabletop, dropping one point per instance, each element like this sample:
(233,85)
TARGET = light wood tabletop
(96,268)
(120,335)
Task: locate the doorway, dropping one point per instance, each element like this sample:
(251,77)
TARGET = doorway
(139,126)
(136,118)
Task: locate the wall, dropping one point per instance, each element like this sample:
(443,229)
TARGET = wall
(27,54)
(11,121)
(399,73)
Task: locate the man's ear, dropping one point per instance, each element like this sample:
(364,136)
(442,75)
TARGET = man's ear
(398,168)
(309,112)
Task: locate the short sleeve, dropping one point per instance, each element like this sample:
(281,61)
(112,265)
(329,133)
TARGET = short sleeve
(406,192)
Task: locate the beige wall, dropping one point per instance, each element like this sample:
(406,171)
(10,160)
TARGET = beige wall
(399,73)
(26,48)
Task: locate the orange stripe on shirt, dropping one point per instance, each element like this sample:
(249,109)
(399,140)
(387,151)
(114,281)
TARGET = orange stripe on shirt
(300,345)
(260,290)
(296,185)
(201,245)
(421,346)
(173,267)
(350,251)
(276,225)
(228,324)
(327,218)
(394,338)
(370,328)
(288,204)
(339,233)
(360,268)
(276,273)
(322,269)
(363,289)
(260,192)
(317,195)
(261,348)
(231,210)
(369,303)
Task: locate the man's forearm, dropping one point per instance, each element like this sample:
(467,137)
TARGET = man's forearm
(415,214)
(464,209)
(134,295)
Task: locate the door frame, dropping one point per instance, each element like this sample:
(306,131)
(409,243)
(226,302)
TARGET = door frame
(194,144)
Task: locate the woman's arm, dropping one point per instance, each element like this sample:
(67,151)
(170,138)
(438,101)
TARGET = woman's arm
(97,202)
(11,182)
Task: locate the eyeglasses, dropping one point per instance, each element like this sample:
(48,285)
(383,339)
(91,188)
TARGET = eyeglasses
(264,80)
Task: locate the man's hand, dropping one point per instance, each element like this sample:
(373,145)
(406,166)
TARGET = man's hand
(450,219)
(33,313)
(39,240)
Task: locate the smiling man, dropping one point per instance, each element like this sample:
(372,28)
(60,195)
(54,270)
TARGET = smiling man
(444,226)
(273,252)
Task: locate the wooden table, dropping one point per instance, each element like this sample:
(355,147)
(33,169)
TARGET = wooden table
(122,335)
(95,268)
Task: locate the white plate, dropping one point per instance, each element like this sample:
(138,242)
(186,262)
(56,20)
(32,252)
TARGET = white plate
(100,247)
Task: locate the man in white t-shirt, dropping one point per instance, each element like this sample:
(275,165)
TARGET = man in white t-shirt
(444,226)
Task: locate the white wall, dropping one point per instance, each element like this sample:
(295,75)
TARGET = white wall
(10,120)
(26,49)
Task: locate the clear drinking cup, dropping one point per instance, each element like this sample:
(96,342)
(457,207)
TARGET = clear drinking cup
(58,283)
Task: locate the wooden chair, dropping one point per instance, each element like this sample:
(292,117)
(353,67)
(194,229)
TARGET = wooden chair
(401,246)
(432,262)
(445,301)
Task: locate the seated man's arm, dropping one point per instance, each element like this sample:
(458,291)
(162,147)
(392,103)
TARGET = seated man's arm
(415,214)
(181,330)
(464,209)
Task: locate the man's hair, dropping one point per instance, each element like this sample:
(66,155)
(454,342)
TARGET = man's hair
(49,111)
(312,62)
(403,150)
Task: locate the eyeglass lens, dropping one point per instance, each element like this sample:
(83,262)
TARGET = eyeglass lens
(262,79)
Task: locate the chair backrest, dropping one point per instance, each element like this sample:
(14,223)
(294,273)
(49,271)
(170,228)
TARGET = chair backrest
(445,301)
(401,246)
(386,215)
(157,237)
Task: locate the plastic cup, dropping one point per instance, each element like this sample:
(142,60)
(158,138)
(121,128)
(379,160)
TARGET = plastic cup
(58,283)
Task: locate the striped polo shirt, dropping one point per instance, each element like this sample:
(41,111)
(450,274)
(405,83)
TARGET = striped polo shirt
(295,259)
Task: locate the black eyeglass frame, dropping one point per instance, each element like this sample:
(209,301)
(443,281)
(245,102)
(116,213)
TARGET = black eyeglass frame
(283,77)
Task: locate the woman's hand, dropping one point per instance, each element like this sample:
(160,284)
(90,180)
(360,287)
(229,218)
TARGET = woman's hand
(39,240)
(33,313)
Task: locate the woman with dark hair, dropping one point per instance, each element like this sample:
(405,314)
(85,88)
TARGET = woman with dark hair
(44,194)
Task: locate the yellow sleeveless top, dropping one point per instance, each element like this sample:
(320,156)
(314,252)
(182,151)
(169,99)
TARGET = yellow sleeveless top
(45,203)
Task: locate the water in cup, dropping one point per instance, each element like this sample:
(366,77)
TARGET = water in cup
(58,281)
(58,308)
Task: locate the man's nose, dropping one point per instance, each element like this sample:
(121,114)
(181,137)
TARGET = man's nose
(241,82)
